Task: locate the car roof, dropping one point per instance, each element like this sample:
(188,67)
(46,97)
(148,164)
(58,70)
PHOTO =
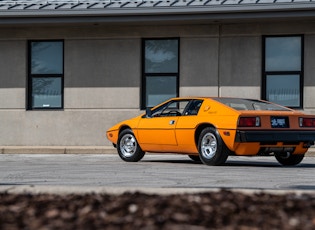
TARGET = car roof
(213,98)
(241,103)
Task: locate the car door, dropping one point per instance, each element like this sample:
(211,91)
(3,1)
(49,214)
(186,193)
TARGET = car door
(186,127)
(159,129)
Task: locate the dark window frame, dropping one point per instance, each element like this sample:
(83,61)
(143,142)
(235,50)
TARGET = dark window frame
(31,76)
(270,73)
(144,75)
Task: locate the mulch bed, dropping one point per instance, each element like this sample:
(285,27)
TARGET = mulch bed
(213,210)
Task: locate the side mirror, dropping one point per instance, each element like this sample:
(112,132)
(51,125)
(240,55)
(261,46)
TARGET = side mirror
(148,113)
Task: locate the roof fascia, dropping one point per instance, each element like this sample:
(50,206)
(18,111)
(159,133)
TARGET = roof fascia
(247,12)
(162,10)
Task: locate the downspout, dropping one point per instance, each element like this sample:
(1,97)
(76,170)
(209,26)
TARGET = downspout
(219,61)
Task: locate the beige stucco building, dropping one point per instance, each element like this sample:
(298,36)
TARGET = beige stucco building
(71,69)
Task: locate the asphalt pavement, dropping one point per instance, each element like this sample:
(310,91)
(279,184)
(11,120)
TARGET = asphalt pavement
(156,173)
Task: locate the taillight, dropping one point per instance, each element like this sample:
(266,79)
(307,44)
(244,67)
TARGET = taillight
(307,122)
(249,122)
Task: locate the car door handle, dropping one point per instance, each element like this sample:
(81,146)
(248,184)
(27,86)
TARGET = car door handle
(172,122)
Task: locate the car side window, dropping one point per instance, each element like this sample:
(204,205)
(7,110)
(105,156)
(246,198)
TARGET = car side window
(174,108)
(193,107)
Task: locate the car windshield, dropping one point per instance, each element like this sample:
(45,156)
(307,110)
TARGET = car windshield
(250,104)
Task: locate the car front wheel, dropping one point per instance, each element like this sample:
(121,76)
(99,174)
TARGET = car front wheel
(128,147)
(288,159)
(212,150)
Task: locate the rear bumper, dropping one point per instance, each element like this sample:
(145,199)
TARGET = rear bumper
(275,136)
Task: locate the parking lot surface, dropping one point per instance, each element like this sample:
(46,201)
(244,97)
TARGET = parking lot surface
(156,172)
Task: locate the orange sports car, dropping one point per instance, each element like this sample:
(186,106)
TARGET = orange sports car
(209,129)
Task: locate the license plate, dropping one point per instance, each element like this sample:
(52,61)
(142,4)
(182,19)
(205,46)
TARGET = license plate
(279,122)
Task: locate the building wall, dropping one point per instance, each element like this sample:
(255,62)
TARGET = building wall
(309,75)
(196,77)
(12,74)
(102,76)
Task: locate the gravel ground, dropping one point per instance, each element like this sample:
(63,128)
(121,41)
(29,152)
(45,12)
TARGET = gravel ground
(212,210)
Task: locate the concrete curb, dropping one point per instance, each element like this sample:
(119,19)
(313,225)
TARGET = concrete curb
(67,190)
(57,150)
(74,150)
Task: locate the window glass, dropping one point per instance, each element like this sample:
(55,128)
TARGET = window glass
(46,93)
(160,89)
(45,75)
(249,104)
(173,108)
(193,107)
(283,89)
(161,56)
(283,70)
(47,57)
(283,53)
(160,71)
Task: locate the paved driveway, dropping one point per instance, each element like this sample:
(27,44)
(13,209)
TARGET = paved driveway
(86,171)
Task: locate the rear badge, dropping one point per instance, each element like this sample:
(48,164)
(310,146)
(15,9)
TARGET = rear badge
(279,122)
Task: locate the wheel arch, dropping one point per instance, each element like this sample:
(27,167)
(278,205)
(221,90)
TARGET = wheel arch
(199,130)
(127,146)
(124,127)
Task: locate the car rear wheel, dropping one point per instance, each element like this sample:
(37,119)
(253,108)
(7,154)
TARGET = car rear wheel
(212,150)
(128,147)
(289,158)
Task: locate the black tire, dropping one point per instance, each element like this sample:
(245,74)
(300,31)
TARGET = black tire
(128,148)
(289,159)
(212,149)
(195,158)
